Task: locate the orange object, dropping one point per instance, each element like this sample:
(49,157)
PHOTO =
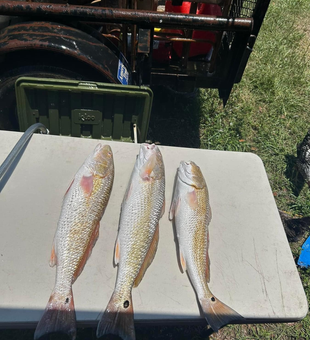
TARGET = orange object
(200,48)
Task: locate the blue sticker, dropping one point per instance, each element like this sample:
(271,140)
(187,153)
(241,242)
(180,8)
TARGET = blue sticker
(122,73)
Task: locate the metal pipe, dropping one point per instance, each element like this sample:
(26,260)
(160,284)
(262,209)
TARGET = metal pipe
(124,16)
(161,38)
(19,145)
(133,42)
(188,34)
(219,36)
(135,133)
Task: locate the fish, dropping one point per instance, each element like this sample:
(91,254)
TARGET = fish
(191,214)
(136,244)
(77,232)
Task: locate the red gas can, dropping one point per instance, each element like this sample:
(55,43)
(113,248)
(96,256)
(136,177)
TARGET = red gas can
(200,48)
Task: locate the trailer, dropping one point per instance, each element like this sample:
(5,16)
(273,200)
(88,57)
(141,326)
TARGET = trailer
(60,49)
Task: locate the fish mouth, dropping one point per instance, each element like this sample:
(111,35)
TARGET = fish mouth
(185,173)
(146,151)
(190,174)
(187,168)
(149,146)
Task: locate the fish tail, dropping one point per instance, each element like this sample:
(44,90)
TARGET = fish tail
(59,316)
(217,313)
(118,319)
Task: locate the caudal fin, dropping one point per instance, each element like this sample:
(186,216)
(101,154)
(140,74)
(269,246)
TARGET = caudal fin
(217,313)
(59,316)
(118,319)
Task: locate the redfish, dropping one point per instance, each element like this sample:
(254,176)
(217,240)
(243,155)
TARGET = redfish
(78,229)
(136,244)
(191,211)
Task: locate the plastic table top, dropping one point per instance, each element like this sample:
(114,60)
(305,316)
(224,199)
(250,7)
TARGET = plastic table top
(252,268)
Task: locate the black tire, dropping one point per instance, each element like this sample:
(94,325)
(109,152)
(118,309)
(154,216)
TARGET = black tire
(43,65)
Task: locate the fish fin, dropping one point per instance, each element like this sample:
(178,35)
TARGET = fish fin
(87,184)
(174,208)
(91,244)
(69,187)
(59,316)
(217,313)
(163,208)
(208,260)
(182,260)
(128,192)
(192,199)
(117,319)
(147,168)
(53,258)
(116,252)
(209,214)
(148,258)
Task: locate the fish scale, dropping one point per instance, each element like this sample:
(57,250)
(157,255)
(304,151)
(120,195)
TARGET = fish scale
(137,239)
(77,231)
(191,212)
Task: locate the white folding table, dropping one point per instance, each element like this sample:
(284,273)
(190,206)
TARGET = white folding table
(252,268)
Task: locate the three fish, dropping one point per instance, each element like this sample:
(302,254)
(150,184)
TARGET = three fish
(142,207)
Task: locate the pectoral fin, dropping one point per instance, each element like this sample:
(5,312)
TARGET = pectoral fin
(174,208)
(192,199)
(69,187)
(128,192)
(116,252)
(147,168)
(87,184)
(182,260)
(53,258)
(148,258)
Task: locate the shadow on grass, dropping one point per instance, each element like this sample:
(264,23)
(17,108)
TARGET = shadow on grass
(175,118)
(293,175)
(295,228)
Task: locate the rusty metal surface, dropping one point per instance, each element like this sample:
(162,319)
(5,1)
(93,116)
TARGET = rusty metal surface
(179,39)
(144,41)
(219,35)
(62,39)
(125,16)
(188,34)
